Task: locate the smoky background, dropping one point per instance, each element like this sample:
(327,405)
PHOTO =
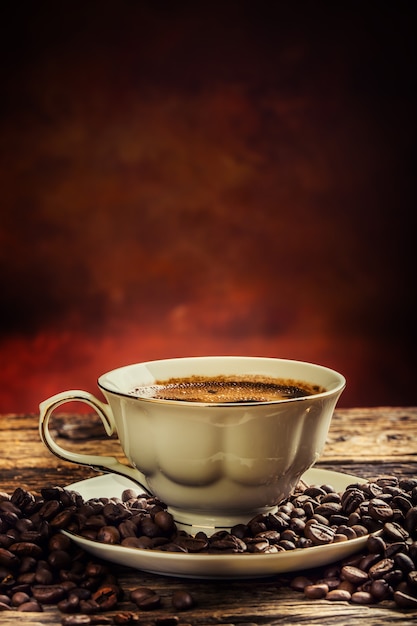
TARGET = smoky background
(192,178)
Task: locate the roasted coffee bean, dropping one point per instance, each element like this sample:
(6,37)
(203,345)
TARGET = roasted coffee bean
(328,508)
(149,528)
(63,518)
(351,499)
(412,578)
(381,568)
(19,597)
(362,597)
(368,560)
(165,521)
(405,600)
(360,530)
(126,529)
(8,559)
(410,522)
(70,604)
(314,491)
(380,589)
(338,595)
(347,531)
(404,562)
(90,606)
(48,594)
(31,606)
(192,544)
(319,534)
(145,598)
(316,591)
(106,597)
(142,543)
(375,544)
(5,599)
(50,509)
(182,600)
(380,510)
(44,576)
(108,534)
(22,499)
(354,574)
(394,577)
(59,541)
(394,531)
(59,559)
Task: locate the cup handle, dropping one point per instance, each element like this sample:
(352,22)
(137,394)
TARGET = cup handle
(97,462)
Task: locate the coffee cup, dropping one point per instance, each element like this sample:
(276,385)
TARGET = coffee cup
(218,439)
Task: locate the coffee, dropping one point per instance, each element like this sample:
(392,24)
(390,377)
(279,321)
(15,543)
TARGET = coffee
(227,389)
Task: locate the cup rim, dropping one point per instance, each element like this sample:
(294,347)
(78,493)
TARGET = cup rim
(106,386)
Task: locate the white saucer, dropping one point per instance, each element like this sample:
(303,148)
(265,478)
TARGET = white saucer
(215,565)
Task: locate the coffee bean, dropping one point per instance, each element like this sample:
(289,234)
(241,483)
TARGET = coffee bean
(63,518)
(48,594)
(362,597)
(380,510)
(182,600)
(108,534)
(50,509)
(317,517)
(106,597)
(354,574)
(316,591)
(59,559)
(44,576)
(351,499)
(328,508)
(404,562)
(319,534)
(165,521)
(380,589)
(405,600)
(410,523)
(19,597)
(193,544)
(338,595)
(8,559)
(381,568)
(375,544)
(394,531)
(145,598)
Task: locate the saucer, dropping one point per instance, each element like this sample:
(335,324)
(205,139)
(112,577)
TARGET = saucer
(218,566)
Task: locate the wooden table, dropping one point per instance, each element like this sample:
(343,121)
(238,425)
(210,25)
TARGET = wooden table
(363,442)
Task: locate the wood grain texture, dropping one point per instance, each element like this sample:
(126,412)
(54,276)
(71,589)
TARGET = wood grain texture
(363,442)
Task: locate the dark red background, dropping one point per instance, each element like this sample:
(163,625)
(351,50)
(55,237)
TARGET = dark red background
(193,178)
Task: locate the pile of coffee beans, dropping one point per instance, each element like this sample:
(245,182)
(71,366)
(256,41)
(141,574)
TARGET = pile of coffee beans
(40,566)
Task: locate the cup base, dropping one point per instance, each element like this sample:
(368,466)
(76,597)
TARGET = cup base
(194,522)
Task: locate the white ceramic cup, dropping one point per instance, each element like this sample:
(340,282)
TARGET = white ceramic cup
(214,465)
